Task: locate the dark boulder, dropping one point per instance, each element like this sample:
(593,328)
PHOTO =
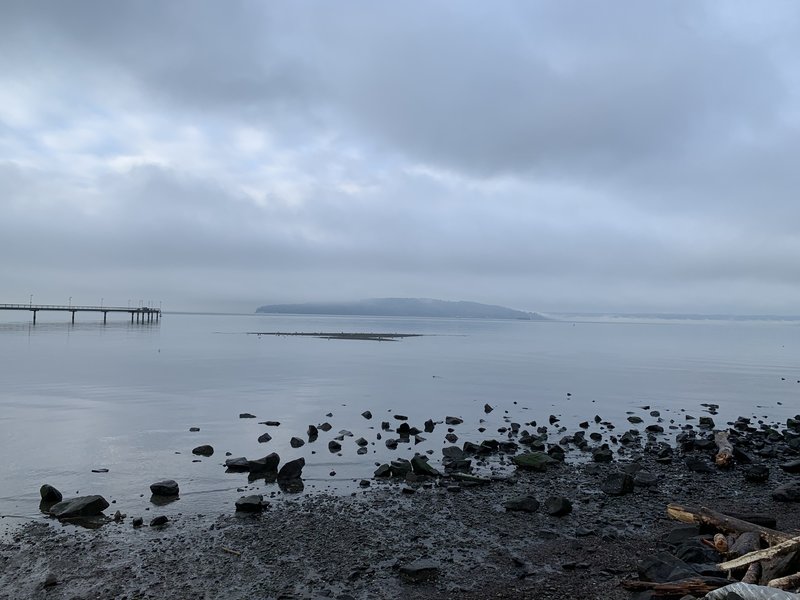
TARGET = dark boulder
(264,438)
(522,503)
(334,446)
(401,467)
(453,421)
(617,484)
(267,464)
(788,492)
(204,450)
(296,442)
(420,466)
(603,454)
(326,426)
(50,494)
(239,463)
(756,473)
(533,461)
(246,416)
(557,506)
(82,506)
(420,570)
(166,487)
(698,465)
(429,426)
(792,466)
(159,521)
(292,469)
(383,471)
(250,504)
(487,409)
(366,414)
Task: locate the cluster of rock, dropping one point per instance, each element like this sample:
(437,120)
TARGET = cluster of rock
(289,476)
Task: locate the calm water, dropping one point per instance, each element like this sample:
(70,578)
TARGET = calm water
(122,396)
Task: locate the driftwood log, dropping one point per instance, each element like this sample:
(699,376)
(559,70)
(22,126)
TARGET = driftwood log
(723,522)
(724,456)
(790,582)
(780,549)
(695,586)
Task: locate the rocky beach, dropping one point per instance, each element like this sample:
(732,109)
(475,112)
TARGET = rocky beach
(545,511)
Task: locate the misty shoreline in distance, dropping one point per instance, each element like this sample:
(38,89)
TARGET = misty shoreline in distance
(404,307)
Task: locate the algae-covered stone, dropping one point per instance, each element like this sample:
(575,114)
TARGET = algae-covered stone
(533,461)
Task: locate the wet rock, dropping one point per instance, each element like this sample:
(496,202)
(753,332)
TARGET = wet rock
(264,465)
(364,483)
(451,437)
(756,473)
(166,487)
(645,479)
(50,494)
(313,433)
(366,414)
(420,570)
(698,465)
(246,416)
(361,442)
(420,466)
(50,580)
(334,446)
(429,426)
(487,409)
(264,437)
(292,469)
(383,471)
(654,429)
(663,567)
(239,463)
(326,427)
(706,423)
(533,461)
(522,503)
(250,504)
(404,430)
(603,454)
(789,492)
(557,506)
(204,450)
(159,521)
(792,466)
(270,423)
(391,443)
(453,421)
(617,484)
(401,417)
(401,467)
(82,506)
(634,419)
(296,442)
(194,429)
(137,522)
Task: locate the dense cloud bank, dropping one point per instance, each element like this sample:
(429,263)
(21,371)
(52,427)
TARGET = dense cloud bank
(542,155)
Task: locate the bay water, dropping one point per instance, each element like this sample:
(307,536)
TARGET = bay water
(122,396)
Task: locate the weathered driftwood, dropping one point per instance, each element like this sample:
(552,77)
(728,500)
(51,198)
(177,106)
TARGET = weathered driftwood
(784,547)
(676,589)
(753,573)
(724,456)
(726,523)
(790,582)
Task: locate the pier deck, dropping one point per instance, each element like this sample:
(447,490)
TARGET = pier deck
(140,314)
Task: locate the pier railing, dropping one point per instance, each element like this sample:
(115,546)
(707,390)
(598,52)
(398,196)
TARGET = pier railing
(139,314)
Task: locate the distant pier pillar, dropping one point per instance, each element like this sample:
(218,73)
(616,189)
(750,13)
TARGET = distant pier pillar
(34,317)
(131,318)
(73,317)
(105,316)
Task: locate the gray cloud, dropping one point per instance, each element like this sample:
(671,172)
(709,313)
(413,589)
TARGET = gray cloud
(546,155)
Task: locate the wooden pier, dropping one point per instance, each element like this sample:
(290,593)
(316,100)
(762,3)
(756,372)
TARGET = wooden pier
(141,314)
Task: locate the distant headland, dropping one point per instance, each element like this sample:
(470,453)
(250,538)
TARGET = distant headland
(404,307)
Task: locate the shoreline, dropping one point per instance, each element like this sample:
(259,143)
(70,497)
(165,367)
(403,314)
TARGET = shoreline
(319,545)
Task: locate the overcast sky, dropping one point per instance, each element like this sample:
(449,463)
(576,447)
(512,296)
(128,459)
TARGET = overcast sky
(552,156)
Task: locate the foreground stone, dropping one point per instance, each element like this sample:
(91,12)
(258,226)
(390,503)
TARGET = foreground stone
(789,492)
(292,469)
(264,465)
(533,461)
(522,503)
(557,506)
(167,487)
(50,494)
(250,504)
(82,506)
(420,570)
(617,484)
